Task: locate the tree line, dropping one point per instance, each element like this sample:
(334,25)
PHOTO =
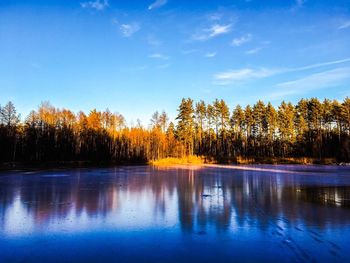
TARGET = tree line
(310,128)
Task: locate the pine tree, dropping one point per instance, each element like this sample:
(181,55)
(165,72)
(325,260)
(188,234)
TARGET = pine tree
(185,125)
(200,115)
(286,126)
(237,126)
(223,114)
(271,127)
(346,114)
(259,113)
(310,129)
(237,121)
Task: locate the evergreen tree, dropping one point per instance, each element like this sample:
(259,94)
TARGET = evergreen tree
(309,129)
(286,127)
(185,125)
(200,115)
(271,127)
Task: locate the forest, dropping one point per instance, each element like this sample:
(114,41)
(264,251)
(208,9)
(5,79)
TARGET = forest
(311,129)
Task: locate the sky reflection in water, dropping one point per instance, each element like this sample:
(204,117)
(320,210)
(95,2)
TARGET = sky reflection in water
(143,213)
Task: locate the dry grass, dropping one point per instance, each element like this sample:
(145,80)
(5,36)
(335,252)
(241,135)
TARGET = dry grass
(286,160)
(199,160)
(170,161)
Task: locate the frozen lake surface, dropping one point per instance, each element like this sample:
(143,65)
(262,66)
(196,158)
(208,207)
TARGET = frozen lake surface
(281,213)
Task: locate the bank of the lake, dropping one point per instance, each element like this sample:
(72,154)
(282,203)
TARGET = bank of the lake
(196,160)
(170,161)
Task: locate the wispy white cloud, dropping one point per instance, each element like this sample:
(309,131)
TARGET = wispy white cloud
(228,77)
(157,4)
(215,16)
(263,44)
(253,51)
(159,56)
(217,29)
(128,30)
(345,25)
(241,40)
(232,76)
(98,5)
(326,79)
(318,65)
(213,31)
(210,54)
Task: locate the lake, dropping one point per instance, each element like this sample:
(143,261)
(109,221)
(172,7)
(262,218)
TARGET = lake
(281,213)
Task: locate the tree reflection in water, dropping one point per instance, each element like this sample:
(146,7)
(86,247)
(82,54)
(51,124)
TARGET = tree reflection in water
(194,201)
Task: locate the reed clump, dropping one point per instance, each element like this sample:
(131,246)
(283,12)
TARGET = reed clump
(186,160)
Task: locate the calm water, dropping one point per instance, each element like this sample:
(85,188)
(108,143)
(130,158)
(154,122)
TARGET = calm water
(145,214)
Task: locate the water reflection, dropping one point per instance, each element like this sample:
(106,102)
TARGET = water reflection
(332,196)
(194,201)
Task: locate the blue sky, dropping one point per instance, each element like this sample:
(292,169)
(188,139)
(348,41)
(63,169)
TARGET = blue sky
(135,57)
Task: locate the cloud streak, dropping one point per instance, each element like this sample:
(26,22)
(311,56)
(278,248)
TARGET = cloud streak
(318,65)
(158,56)
(232,76)
(213,31)
(253,51)
(345,25)
(210,54)
(241,40)
(228,77)
(128,30)
(322,80)
(97,5)
(157,4)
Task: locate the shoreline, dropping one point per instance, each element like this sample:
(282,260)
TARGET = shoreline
(10,166)
(245,161)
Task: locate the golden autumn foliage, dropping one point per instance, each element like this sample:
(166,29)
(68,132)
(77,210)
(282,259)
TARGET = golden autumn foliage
(306,132)
(191,159)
